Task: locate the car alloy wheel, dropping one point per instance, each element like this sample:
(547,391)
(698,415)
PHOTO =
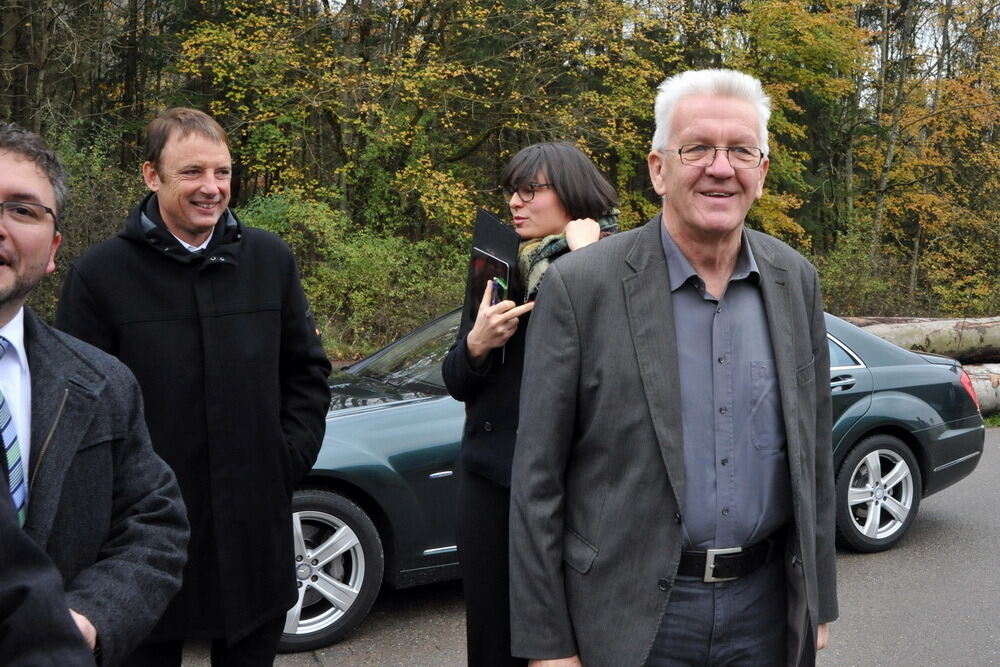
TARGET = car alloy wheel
(878,493)
(338,569)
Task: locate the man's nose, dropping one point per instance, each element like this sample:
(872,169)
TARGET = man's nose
(720,163)
(209,184)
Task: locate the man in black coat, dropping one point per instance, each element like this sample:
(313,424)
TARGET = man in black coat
(211,318)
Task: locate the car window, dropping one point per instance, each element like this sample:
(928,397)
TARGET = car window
(839,356)
(415,359)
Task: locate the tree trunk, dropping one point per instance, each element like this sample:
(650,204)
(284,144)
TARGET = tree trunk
(969,340)
(986,382)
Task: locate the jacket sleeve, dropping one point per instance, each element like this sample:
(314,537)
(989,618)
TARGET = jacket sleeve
(540,622)
(826,503)
(304,369)
(35,625)
(78,315)
(461,378)
(139,567)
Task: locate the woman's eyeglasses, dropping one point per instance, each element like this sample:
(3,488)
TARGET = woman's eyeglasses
(526,191)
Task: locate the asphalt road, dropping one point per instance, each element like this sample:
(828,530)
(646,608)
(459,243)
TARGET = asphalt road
(933,600)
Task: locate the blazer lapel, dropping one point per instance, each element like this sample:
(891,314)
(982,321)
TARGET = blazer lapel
(62,407)
(774,287)
(651,322)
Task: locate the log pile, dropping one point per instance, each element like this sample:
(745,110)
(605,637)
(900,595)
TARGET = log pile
(986,382)
(973,341)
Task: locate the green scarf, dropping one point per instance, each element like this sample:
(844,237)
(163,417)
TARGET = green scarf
(535,255)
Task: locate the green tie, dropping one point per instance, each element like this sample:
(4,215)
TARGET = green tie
(15,470)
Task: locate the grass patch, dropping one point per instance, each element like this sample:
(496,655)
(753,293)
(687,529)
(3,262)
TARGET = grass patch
(992,420)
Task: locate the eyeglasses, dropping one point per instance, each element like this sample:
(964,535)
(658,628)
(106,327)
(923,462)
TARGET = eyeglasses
(26,213)
(526,191)
(700,155)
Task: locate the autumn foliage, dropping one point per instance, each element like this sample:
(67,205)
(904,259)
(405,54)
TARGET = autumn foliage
(366,132)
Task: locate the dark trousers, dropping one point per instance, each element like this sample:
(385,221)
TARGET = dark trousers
(483,510)
(739,622)
(257,649)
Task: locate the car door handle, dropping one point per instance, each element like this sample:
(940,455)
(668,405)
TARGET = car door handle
(842,382)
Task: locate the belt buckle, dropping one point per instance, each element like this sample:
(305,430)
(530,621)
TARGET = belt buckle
(710,555)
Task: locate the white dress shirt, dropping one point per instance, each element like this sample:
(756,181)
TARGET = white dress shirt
(15,382)
(192,248)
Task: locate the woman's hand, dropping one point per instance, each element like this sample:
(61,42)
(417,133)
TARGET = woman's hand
(582,232)
(494,326)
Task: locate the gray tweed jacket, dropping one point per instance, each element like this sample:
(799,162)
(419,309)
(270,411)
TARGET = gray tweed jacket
(101,503)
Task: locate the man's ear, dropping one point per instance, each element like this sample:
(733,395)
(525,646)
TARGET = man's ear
(150,176)
(656,165)
(51,266)
(763,175)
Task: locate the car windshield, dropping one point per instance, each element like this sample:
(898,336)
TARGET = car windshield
(414,361)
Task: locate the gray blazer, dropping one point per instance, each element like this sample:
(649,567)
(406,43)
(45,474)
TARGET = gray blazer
(598,472)
(101,503)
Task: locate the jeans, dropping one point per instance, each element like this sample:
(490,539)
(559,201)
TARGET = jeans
(740,622)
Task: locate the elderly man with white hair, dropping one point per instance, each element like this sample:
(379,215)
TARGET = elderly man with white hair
(673,497)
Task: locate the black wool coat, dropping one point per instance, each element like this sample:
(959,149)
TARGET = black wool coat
(491,395)
(36,629)
(234,380)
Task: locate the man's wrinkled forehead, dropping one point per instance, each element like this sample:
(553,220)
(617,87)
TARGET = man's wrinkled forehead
(698,113)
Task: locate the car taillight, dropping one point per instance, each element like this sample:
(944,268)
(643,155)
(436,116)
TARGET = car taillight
(967,383)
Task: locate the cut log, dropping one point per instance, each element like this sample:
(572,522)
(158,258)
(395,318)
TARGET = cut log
(986,382)
(969,340)
(869,321)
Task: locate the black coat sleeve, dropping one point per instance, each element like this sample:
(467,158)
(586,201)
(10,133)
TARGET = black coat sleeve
(305,392)
(35,625)
(463,380)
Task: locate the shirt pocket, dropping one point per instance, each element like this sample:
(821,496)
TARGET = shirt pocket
(767,428)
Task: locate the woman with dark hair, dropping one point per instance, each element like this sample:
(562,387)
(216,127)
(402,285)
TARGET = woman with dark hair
(559,202)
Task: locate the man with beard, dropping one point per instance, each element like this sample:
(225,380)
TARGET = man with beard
(85,482)
(211,317)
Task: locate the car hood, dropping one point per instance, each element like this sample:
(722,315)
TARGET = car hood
(349,392)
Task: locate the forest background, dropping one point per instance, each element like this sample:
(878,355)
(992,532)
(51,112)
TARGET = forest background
(366,132)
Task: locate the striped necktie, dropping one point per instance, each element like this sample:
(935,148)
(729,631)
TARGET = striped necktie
(15,469)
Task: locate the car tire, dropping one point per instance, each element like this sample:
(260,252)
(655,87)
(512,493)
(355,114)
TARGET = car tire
(339,562)
(878,494)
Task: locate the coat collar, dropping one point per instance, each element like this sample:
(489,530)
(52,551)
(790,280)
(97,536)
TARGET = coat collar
(651,322)
(145,225)
(775,276)
(65,391)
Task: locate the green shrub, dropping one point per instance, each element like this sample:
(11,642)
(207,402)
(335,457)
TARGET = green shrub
(365,288)
(100,198)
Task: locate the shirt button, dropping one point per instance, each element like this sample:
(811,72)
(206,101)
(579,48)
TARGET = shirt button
(719,309)
(723,410)
(677,517)
(725,511)
(722,360)
(663,585)
(725,461)
(488,427)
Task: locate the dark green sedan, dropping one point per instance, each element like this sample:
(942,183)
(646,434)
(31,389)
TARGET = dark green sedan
(379,505)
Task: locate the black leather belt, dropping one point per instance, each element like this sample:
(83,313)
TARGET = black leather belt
(726,564)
